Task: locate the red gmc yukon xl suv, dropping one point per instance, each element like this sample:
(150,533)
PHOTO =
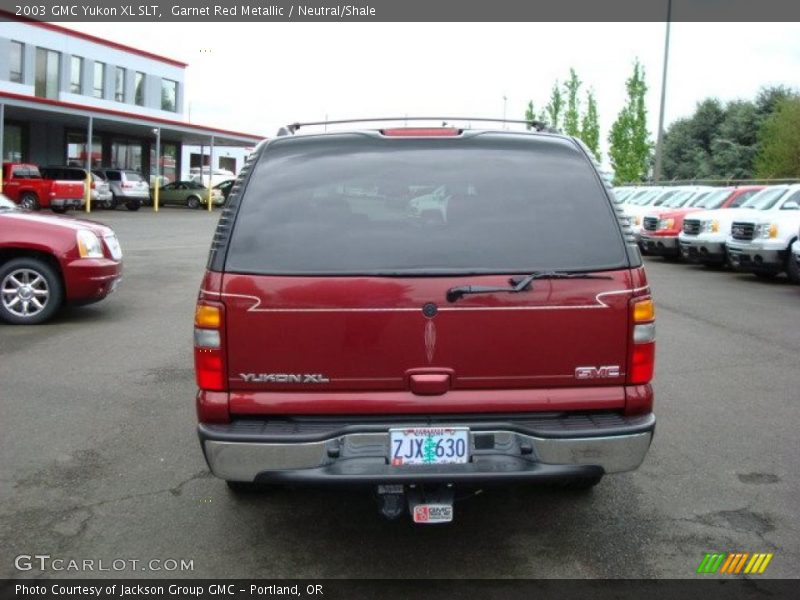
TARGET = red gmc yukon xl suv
(401,309)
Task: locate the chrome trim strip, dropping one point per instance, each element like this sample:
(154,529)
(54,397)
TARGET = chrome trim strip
(257,303)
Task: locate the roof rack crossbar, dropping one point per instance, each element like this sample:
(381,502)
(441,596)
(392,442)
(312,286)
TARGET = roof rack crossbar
(534,124)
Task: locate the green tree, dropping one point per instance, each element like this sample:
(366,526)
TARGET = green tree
(555,106)
(779,154)
(768,99)
(590,126)
(679,151)
(530,114)
(629,141)
(720,142)
(734,146)
(572,112)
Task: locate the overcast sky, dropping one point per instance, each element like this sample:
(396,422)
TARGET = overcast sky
(257,77)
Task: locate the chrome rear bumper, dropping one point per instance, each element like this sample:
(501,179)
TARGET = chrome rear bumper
(497,455)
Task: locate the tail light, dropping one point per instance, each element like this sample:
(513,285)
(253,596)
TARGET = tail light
(209,360)
(127,185)
(641,359)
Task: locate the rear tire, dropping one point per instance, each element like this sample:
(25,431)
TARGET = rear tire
(246,488)
(792,268)
(58,209)
(193,202)
(29,285)
(29,201)
(133,205)
(578,484)
(765,275)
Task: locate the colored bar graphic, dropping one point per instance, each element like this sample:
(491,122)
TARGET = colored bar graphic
(711,562)
(733,563)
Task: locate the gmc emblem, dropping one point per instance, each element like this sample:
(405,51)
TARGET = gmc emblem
(597,372)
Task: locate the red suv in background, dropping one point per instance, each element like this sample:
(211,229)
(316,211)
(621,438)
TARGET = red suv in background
(401,309)
(48,261)
(660,229)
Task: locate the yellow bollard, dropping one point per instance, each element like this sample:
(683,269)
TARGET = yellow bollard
(209,189)
(88,191)
(155,195)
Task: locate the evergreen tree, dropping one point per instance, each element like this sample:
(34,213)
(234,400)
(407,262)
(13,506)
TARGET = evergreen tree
(629,141)
(572,113)
(590,126)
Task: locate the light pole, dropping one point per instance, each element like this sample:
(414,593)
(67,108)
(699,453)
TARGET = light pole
(660,135)
(157,131)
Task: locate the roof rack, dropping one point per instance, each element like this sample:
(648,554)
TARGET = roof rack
(534,124)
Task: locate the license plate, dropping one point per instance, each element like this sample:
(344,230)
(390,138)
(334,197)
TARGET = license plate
(429,446)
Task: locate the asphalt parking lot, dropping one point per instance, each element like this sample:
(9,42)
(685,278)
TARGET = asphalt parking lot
(100,459)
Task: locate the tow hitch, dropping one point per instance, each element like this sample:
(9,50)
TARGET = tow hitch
(425,504)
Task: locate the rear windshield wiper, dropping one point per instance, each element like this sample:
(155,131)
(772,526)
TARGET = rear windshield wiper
(522,284)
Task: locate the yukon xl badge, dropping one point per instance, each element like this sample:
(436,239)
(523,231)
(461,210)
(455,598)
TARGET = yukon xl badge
(284,378)
(597,372)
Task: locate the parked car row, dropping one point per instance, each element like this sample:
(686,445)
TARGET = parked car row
(63,187)
(751,228)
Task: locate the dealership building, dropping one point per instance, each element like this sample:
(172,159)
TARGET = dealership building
(60,88)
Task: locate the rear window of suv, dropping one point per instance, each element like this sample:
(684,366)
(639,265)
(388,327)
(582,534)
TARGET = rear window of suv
(354,204)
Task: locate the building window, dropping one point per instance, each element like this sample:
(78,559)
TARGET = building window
(138,89)
(75,73)
(13,143)
(119,85)
(169,95)
(99,79)
(76,150)
(228,163)
(126,154)
(46,84)
(15,68)
(169,162)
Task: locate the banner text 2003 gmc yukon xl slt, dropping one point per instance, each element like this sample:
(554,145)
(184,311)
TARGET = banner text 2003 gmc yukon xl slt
(346,333)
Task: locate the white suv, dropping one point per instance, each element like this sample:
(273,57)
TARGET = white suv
(704,233)
(761,243)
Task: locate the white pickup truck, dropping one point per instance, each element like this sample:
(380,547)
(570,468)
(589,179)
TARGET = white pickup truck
(761,243)
(704,233)
(638,207)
